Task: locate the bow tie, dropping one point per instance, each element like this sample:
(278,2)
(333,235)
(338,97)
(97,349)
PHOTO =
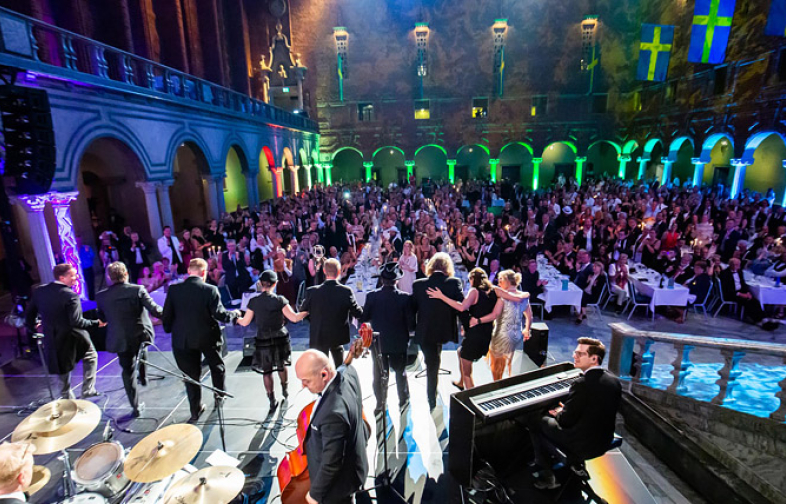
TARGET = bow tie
(319,394)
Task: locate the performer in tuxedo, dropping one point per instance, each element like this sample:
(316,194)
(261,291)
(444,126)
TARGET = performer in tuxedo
(192,311)
(435,320)
(125,307)
(391,314)
(584,425)
(337,435)
(66,340)
(330,306)
(16,472)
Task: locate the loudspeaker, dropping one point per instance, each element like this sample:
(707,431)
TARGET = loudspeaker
(537,346)
(29,138)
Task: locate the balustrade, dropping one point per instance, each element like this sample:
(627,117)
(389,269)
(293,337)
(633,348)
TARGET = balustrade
(627,341)
(48,45)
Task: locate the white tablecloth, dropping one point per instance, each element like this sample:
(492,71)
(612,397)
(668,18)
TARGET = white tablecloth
(553,295)
(159,296)
(361,285)
(765,291)
(647,282)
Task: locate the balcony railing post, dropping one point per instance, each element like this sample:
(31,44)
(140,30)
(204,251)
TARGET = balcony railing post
(98,61)
(680,368)
(728,376)
(780,413)
(33,41)
(69,55)
(126,69)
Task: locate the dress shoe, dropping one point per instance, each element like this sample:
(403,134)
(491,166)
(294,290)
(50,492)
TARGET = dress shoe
(194,418)
(403,405)
(142,381)
(379,410)
(138,410)
(546,481)
(92,393)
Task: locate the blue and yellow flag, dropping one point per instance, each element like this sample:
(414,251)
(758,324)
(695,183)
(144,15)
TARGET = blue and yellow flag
(501,71)
(593,64)
(776,23)
(340,72)
(655,52)
(711,29)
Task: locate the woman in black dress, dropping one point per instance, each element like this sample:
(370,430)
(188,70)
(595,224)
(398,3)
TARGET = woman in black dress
(480,301)
(273,351)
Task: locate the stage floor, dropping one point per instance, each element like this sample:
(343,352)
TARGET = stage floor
(417,440)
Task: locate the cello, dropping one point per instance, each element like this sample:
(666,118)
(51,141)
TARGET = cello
(292,473)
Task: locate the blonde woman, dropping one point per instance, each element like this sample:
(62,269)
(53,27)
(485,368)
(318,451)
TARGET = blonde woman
(512,305)
(408,263)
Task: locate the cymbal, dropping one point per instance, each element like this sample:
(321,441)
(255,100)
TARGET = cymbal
(213,485)
(162,453)
(49,417)
(41,477)
(79,427)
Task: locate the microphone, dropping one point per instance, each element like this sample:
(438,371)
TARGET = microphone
(109,432)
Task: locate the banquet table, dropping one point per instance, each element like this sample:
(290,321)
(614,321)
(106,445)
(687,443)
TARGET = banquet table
(552,294)
(764,289)
(647,282)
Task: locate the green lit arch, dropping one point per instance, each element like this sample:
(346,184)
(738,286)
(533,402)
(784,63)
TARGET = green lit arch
(614,144)
(525,145)
(630,146)
(570,144)
(335,153)
(650,145)
(430,145)
(391,147)
(488,152)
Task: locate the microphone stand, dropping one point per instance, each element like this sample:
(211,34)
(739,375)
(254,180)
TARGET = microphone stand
(386,482)
(221,395)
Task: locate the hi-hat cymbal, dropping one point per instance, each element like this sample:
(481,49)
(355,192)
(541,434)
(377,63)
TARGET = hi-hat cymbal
(79,427)
(211,485)
(49,417)
(162,453)
(41,477)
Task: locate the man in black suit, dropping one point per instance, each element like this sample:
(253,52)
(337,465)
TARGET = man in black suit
(16,472)
(584,425)
(192,311)
(66,340)
(735,289)
(435,320)
(530,280)
(238,280)
(392,315)
(125,307)
(488,252)
(582,270)
(330,306)
(337,435)
(728,240)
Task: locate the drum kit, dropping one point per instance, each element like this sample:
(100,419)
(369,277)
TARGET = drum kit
(151,472)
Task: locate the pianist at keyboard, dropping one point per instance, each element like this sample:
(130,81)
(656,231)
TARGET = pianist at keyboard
(583,427)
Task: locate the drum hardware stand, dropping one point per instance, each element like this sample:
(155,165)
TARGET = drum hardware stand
(386,482)
(69,489)
(39,338)
(222,395)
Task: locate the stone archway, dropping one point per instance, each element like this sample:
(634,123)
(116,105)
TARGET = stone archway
(190,204)
(265,182)
(235,187)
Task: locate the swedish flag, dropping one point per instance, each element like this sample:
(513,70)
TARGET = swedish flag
(711,29)
(655,52)
(776,23)
(340,72)
(502,71)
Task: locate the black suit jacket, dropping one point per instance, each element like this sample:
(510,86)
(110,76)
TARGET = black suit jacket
(329,306)
(336,440)
(529,283)
(436,321)
(589,413)
(192,311)
(65,337)
(728,287)
(236,276)
(699,286)
(124,307)
(392,314)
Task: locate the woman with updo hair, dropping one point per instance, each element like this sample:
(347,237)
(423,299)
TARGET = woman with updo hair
(512,305)
(273,351)
(480,301)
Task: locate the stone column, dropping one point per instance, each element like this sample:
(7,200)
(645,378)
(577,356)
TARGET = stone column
(452,170)
(536,172)
(698,171)
(642,167)
(222,207)
(320,173)
(293,176)
(369,166)
(42,246)
(252,188)
(61,204)
(580,168)
(164,204)
(278,181)
(624,160)
(493,164)
(738,182)
(309,181)
(410,168)
(665,179)
(328,173)
(212,198)
(151,203)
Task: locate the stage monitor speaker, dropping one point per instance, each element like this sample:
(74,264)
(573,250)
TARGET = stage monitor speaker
(537,346)
(29,138)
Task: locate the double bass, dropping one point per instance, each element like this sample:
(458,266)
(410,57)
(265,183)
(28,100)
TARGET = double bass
(292,473)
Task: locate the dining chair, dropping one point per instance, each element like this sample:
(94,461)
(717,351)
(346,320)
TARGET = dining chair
(636,299)
(723,301)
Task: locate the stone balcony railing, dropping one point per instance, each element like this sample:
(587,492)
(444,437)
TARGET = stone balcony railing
(625,341)
(40,48)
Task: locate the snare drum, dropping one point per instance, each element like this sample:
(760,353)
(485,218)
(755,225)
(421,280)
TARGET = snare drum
(85,498)
(100,470)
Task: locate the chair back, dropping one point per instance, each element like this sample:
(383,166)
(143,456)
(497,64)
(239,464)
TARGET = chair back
(707,296)
(718,286)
